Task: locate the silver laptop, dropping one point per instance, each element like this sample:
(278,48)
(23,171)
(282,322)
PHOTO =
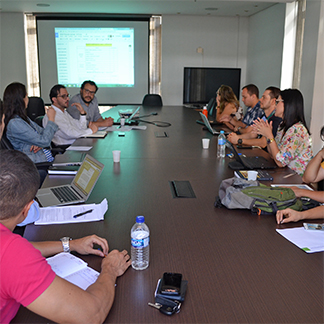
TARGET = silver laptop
(78,191)
(209,127)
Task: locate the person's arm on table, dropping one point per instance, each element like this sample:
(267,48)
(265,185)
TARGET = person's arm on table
(316,195)
(290,215)
(231,122)
(83,245)
(64,302)
(314,171)
(249,139)
(104,122)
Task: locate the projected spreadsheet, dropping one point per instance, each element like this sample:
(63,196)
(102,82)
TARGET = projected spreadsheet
(104,55)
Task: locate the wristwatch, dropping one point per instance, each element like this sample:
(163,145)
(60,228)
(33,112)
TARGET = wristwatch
(66,243)
(240,141)
(270,140)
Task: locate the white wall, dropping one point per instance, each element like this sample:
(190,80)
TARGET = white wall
(266,32)
(312,76)
(224,43)
(12,50)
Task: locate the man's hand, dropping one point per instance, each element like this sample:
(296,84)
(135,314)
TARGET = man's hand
(79,107)
(85,245)
(35,148)
(93,127)
(233,138)
(291,216)
(116,262)
(50,112)
(109,121)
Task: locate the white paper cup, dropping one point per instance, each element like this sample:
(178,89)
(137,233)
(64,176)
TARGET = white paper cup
(205,143)
(122,121)
(116,156)
(252,175)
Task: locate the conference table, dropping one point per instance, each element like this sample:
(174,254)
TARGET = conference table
(239,269)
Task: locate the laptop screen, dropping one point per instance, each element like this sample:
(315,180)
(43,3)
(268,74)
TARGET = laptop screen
(87,175)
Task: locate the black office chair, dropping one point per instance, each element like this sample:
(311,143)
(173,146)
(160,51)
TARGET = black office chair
(153,100)
(35,108)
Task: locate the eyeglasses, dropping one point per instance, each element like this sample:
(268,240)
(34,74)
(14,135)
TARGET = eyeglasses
(279,100)
(65,96)
(87,91)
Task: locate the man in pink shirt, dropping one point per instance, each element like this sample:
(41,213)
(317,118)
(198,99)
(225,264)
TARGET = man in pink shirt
(25,276)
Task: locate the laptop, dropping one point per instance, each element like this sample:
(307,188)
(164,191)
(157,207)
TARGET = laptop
(210,128)
(128,113)
(78,191)
(249,162)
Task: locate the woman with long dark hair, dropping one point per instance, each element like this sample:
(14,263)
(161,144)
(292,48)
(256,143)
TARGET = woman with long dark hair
(25,135)
(292,145)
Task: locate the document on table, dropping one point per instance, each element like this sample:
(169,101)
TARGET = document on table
(73,269)
(308,240)
(125,128)
(79,148)
(64,214)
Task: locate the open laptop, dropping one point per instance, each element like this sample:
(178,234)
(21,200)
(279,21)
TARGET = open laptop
(249,162)
(78,191)
(210,128)
(128,113)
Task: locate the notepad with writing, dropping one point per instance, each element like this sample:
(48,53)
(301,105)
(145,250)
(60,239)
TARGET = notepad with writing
(73,269)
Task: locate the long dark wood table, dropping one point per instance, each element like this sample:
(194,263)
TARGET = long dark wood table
(239,269)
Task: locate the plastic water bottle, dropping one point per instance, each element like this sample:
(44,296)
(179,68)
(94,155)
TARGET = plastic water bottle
(221,145)
(140,241)
(205,111)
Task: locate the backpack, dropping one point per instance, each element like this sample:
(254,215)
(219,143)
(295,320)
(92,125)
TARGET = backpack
(237,193)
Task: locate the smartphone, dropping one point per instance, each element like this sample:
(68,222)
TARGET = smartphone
(171,283)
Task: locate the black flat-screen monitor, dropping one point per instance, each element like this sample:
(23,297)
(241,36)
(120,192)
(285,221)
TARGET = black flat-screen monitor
(200,84)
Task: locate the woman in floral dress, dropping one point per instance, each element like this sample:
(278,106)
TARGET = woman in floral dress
(292,146)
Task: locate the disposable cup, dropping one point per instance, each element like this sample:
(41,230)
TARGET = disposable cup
(205,143)
(252,175)
(122,121)
(116,156)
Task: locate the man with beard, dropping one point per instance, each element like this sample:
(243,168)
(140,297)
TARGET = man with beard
(87,99)
(268,105)
(69,129)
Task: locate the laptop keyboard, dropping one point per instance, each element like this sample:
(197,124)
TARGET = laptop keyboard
(65,194)
(253,162)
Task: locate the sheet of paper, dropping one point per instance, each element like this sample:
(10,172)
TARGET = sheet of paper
(73,269)
(79,148)
(83,278)
(64,214)
(64,264)
(308,240)
(300,186)
(125,128)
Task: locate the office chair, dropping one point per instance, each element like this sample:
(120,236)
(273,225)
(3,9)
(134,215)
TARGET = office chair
(152,100)
(35,108)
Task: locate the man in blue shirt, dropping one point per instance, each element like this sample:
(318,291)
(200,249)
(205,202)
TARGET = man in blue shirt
(87,99)
(250,97)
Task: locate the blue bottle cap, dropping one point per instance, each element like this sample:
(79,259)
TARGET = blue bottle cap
(140,219)
(222,132)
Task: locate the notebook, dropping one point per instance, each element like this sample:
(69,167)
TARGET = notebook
(249,162)
(210,128)
(78,191)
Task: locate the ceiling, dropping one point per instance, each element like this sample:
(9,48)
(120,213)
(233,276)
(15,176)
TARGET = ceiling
(244,8)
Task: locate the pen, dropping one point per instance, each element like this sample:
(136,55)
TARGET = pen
(83,213)
(289,175)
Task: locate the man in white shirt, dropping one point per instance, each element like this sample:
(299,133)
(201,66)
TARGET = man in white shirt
(69,128)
